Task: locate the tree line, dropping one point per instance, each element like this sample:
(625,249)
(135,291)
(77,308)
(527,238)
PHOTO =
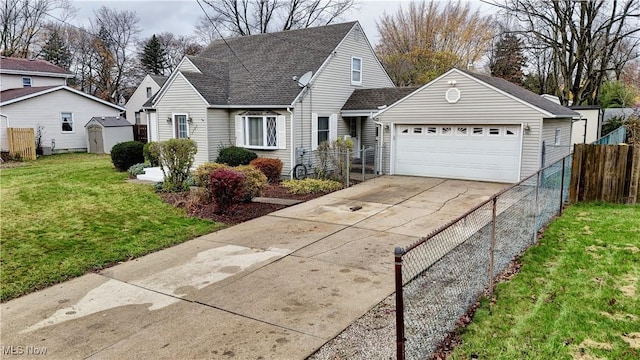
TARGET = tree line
(584,52)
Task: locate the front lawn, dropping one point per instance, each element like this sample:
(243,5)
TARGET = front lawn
(65,215)
(576,295)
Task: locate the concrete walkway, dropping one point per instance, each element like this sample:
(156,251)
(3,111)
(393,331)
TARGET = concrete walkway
(276,287)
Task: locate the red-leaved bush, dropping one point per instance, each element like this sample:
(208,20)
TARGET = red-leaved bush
(271,168)
(226,186)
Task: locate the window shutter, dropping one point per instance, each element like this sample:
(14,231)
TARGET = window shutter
(333,127)
(281,126)
(314,131)
(239,131)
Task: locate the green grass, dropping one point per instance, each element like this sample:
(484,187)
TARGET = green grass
(64,215)
(576,295)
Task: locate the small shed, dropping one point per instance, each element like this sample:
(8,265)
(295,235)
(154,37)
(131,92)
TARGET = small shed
(104,132)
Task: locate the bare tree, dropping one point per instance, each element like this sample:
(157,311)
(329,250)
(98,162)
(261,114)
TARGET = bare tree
(247,17)
(114,47)
(22,21)
(177,47)
(426,39)
(588,41)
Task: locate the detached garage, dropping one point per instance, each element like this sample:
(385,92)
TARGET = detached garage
(473,127)
(104,132)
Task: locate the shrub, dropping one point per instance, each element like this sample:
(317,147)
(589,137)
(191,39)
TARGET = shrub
(202,173)
(311,186)
(235,156)
(176,158)
(271,168)
(227,187)
(137,169)
(254,182)
(126,154)
(151,152)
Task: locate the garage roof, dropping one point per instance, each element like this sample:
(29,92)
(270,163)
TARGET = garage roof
(373,99)
(524,95)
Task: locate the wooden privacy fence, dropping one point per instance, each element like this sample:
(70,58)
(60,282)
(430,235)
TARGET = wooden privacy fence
(22,143)
(608,173)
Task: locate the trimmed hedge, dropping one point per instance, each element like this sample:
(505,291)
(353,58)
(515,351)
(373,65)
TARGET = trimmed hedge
(235,156)
(126,154)
(310,186)
(271,168)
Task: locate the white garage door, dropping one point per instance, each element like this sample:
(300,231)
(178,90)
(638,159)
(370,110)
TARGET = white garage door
(470,152)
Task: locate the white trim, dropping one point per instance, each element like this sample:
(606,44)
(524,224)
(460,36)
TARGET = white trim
(175,128)
(392,150)
(35,73)
(355,113)
(354,82)
(249,106)
(61,87)
(73,123)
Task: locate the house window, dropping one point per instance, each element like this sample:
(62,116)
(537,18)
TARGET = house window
(353,127)
(26,82)
(138,117)
(260,131)
(66,118)
(148,92)
(323,129)
(557,137)
(180,126)
(356,71)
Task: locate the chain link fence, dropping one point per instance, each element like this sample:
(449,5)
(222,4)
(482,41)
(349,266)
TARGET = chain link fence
(346,166)
(442,275)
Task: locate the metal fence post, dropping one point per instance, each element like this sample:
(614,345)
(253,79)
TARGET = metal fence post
(363,160)
(348,169)
(399,305)
(493,241)
(562,187)
(536,207)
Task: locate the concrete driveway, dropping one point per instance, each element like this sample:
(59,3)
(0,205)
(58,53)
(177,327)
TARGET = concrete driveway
(277,287)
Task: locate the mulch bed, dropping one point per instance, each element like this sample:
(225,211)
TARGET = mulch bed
(238,213)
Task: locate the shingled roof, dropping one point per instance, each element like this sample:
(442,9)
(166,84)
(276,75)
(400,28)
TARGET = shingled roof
(19,65)
(159,79)
(11,94)
(111,121)
(259,69)
(372,99)
(524,95)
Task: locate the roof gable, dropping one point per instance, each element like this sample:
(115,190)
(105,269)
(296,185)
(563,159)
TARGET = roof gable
(11,65)
(11,96)
(522,95)
(260,68)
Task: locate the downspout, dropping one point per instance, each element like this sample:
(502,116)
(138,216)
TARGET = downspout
(6,117)
(293,138)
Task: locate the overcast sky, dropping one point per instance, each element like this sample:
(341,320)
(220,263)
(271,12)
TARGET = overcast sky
(179,16)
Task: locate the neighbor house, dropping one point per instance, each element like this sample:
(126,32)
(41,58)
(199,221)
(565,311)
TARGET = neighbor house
(145,90)
(588,128)
(34,95)
(282,94)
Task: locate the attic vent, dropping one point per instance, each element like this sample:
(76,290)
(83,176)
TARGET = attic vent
(452,95)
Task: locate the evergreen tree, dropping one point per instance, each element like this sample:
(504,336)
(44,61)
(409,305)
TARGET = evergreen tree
(507,59)
(154,56)
(56,51)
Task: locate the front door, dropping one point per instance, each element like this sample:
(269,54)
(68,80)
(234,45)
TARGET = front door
(355,131)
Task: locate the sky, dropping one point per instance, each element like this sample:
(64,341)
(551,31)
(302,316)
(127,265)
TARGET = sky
(179,16)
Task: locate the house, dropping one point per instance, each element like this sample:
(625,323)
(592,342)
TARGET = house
(281,94)
(145,90)
(104,132)
(34,95)
(278,94)
(589,127)
(464,125)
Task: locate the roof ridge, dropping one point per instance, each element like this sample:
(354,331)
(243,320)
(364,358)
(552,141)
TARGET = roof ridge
(275,33)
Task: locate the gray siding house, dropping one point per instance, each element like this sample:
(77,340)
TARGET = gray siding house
(274,93)
(469,126)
